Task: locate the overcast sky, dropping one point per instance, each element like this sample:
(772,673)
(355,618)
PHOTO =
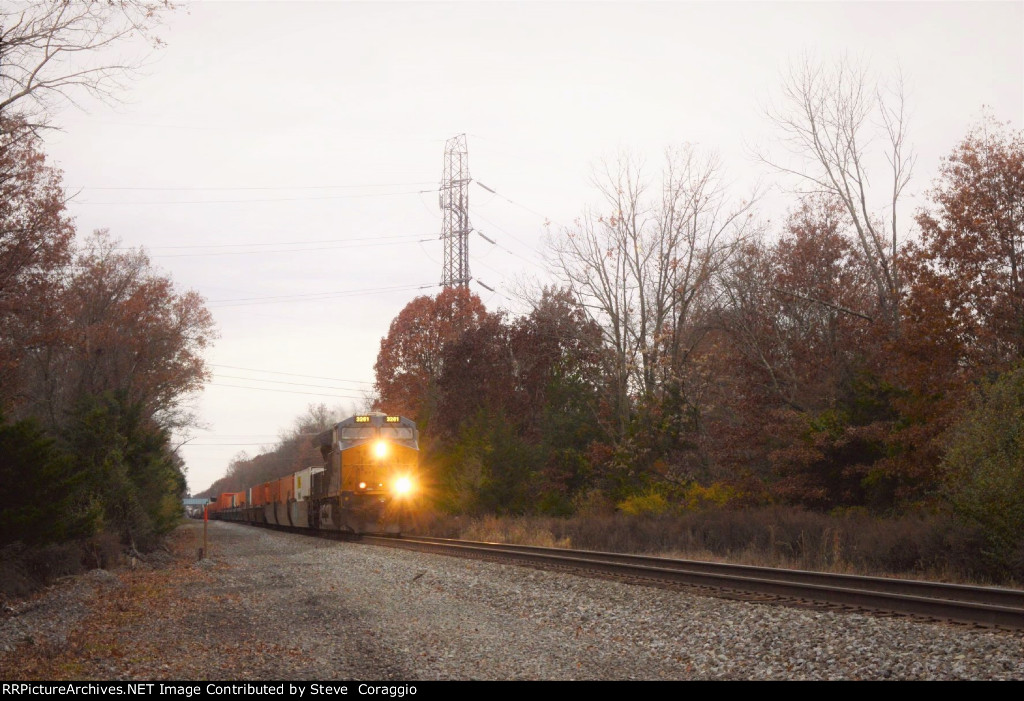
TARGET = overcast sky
(283,159)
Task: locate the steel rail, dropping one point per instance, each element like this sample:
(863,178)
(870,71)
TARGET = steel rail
(990,606)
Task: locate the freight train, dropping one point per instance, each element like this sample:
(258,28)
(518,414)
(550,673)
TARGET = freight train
(367,483)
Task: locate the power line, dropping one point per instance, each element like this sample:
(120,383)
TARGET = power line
(271,243)
(290,374)
(504,231)
(283,250)
(482,262)
(287,391)
(204,188)
(311,297)
(505,248)
(268,436)
(282,382)
(517,204)
(190,444)
(259,199)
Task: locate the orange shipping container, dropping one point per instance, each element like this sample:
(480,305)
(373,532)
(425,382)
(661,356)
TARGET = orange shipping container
(258,495)
(285,487)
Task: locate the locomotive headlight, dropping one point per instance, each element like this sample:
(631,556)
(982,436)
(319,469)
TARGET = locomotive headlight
(380,449)
(403,486)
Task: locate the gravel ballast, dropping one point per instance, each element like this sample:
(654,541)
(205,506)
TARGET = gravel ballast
(270,605)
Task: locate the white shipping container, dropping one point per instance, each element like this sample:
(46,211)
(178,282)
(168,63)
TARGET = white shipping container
(303,482)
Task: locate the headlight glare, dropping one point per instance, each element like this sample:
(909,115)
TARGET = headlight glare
(403,486)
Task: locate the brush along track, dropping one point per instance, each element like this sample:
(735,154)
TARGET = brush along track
(933,601)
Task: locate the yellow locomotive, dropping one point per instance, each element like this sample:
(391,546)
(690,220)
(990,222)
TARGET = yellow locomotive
(366,485)
(368,480)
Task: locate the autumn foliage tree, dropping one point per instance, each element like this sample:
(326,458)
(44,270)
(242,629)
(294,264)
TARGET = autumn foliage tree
(106,359)
(972,244)
(964,307)
(798,319)
(506,408)
(124,327)
(477,375)
(36,236)
(561,376)
(518,407)
(98,350)
(411,356)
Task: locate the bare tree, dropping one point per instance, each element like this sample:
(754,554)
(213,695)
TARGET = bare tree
(57,48)
(832,117)
(645,271)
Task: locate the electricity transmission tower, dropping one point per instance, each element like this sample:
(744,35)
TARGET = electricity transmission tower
(453,199)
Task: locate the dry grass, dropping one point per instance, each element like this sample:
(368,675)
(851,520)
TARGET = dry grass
(930,547)
(495,529)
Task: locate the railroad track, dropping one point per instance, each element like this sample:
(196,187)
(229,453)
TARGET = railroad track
(934,601)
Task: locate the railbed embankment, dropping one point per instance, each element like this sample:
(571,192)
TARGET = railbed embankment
(267,605)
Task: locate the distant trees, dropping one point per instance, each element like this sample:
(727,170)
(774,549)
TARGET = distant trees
(693,358)
(847,412)
(107,323)
(444,364)
(97,348)
(97,352)
(646,270)
(562,380)
(506,410)
(519,407)
(796,309)
(80,321)
(293,452)
(959,360)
